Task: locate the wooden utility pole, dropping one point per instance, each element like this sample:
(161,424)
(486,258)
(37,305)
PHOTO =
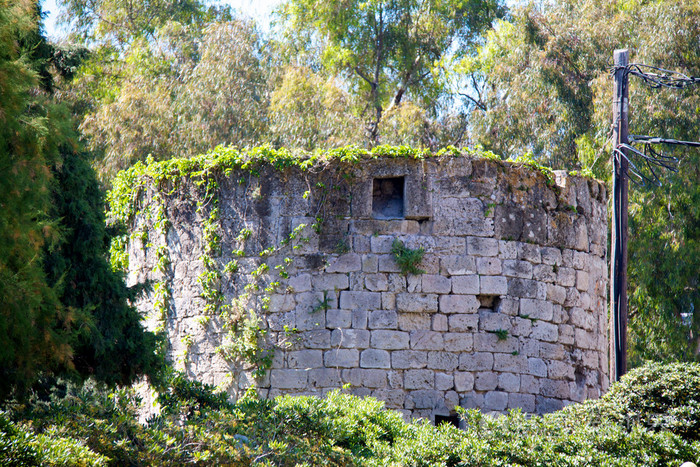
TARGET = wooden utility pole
(618,256)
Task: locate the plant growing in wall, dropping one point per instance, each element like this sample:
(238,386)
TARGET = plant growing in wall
(406,258)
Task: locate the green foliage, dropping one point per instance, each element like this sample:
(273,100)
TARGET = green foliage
(64,311)
(19,446)
(650,418)
(390,53)
(406,258)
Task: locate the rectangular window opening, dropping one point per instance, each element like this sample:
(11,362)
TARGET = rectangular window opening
(387,198)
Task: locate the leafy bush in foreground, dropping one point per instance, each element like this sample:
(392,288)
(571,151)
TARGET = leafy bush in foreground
(650,418)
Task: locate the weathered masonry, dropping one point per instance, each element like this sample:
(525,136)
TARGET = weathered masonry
(283,278)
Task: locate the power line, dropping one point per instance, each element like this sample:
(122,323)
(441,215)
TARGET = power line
(659,77)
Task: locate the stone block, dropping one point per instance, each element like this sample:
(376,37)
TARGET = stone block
(413,284)
(582,281)
(387,263)
(359,318)
(529,252)
(406,359)
(507,249)
(414,321)
(536,309)
(305,359)
(544,273)
(463,323)
(350,338)
(547,404)
(381,243)
(566,334)
(308,320)
(468,284)
(529,384)
(463,381)
(433,283)
(324,378)
(376,282)
(419,379)
(551,256)
(390,340)
(523,288)
(289,379)
(416,303)
(360,244)
(493,285)
(553,388)
(342,358)
(521,327)
(338,319)
(457,265)
(524,402)
(560,370)
(383,319)
(445,361)
(566,277)
(458,304)
(360,300)
(508,306)
(495,400)
(330,282)
(439,323)
(582,318)
(281,303)
(486,381)
(458,341)
(427,399)
(490,321)
(489,342)
(426,340)
(556,294)
(388,301)
(517,268)
(545,331)
(488,266)
(537,367)
(349,262)
(509,382)
(368,378)
(318,339)
(444,381)
(479,246)
(478,361)
(375,358)
(510,363)
(370,264)
(584,339)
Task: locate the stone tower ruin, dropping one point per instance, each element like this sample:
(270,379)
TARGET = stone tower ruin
(283,276)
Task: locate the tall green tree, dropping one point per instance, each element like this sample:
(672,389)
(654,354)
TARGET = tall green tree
(32,320)
(390,51)
(63,311)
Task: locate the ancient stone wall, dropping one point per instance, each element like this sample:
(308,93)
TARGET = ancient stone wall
(508,312)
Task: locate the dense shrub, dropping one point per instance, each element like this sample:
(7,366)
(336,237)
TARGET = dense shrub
(649,418)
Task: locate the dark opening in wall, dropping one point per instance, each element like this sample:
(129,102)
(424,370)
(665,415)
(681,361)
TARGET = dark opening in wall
(451,419)
(387,198)
(489,302)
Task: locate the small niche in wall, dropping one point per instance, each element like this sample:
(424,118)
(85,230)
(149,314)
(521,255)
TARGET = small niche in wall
(451,419)
(387,198)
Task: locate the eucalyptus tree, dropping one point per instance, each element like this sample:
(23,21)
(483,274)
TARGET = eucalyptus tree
(388,51)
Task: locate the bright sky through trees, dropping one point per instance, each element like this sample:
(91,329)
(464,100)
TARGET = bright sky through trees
(259,10)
